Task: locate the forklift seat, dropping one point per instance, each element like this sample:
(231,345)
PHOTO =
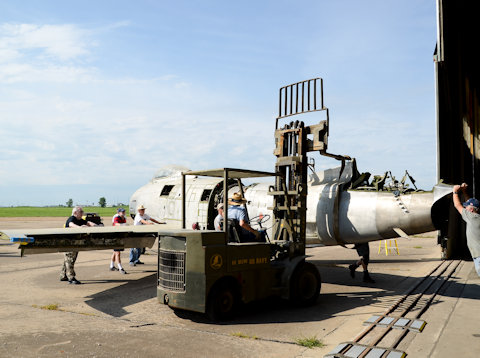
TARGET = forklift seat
(234,230)
(239,235)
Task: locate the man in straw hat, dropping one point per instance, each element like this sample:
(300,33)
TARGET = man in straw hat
(469,211)
(140,219)
(237,211)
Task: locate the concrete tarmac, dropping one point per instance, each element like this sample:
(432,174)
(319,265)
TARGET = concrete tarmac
(114,315)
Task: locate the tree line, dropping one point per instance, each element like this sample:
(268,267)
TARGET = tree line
(102,202)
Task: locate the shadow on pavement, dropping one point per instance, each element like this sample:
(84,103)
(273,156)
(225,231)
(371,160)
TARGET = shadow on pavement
(276,310)
(351,294)
(114,300)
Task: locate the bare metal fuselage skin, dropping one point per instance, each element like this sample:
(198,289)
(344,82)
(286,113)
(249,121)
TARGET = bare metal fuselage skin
(335,216)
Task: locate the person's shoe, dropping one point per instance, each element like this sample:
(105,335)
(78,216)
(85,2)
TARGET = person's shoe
(132,263)
(139,263)
(113,268)
(74,281)
(122,271)
(64,278)
(367,278)
(352,270)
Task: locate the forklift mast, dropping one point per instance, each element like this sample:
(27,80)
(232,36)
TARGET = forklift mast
(292,143)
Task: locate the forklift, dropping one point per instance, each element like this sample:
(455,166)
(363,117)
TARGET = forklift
(213,272)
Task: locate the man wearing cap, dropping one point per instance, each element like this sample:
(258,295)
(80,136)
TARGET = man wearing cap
(469,212)
(140,219)
(118,219)
(218,222)
(237,211)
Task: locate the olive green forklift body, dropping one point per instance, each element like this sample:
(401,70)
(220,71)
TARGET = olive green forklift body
(192,262)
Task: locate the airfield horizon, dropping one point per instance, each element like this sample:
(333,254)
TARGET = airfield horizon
(55,211)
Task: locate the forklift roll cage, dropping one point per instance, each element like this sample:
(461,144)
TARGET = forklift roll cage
(226,174)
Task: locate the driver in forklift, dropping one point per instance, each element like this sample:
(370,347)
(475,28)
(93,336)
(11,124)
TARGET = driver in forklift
(237,211)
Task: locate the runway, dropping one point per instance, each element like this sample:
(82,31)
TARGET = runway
(118,315)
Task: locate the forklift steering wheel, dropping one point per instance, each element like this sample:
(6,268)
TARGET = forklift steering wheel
(259,219)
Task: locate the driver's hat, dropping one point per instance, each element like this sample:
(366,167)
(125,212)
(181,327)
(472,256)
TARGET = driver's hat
(237,199)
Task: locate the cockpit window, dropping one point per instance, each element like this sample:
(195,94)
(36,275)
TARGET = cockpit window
(166,190)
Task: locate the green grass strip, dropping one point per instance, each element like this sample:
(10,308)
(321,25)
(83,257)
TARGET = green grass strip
(53,211)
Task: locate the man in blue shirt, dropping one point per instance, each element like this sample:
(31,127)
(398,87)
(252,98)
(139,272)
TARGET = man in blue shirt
(238,212)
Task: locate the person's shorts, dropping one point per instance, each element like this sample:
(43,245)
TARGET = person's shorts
(363,250)
(118,250)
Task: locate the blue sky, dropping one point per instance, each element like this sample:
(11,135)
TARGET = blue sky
(96,96)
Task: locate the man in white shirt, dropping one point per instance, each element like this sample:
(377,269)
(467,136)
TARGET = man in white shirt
(140,219)
(218,222)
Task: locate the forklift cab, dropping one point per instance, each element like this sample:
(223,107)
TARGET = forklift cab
(231,227)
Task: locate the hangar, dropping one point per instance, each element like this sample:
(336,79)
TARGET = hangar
(457,110)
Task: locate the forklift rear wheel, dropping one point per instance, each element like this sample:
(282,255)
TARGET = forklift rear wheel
(222,302)
(305,285)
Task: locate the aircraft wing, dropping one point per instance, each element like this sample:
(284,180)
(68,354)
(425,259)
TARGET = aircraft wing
(36,241)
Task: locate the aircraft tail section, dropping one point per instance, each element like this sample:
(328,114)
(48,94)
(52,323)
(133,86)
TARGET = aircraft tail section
(355,216)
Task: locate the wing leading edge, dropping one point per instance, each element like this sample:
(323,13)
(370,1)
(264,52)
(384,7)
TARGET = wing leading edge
(37,241)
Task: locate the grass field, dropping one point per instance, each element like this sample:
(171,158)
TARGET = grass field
(54,211)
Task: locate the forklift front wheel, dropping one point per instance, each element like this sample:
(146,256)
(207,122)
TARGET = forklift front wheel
(305,285)
(222,302)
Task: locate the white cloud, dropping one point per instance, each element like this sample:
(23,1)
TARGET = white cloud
(66,106)
(31,53)
(27,73)
(59,42)
(110,128)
